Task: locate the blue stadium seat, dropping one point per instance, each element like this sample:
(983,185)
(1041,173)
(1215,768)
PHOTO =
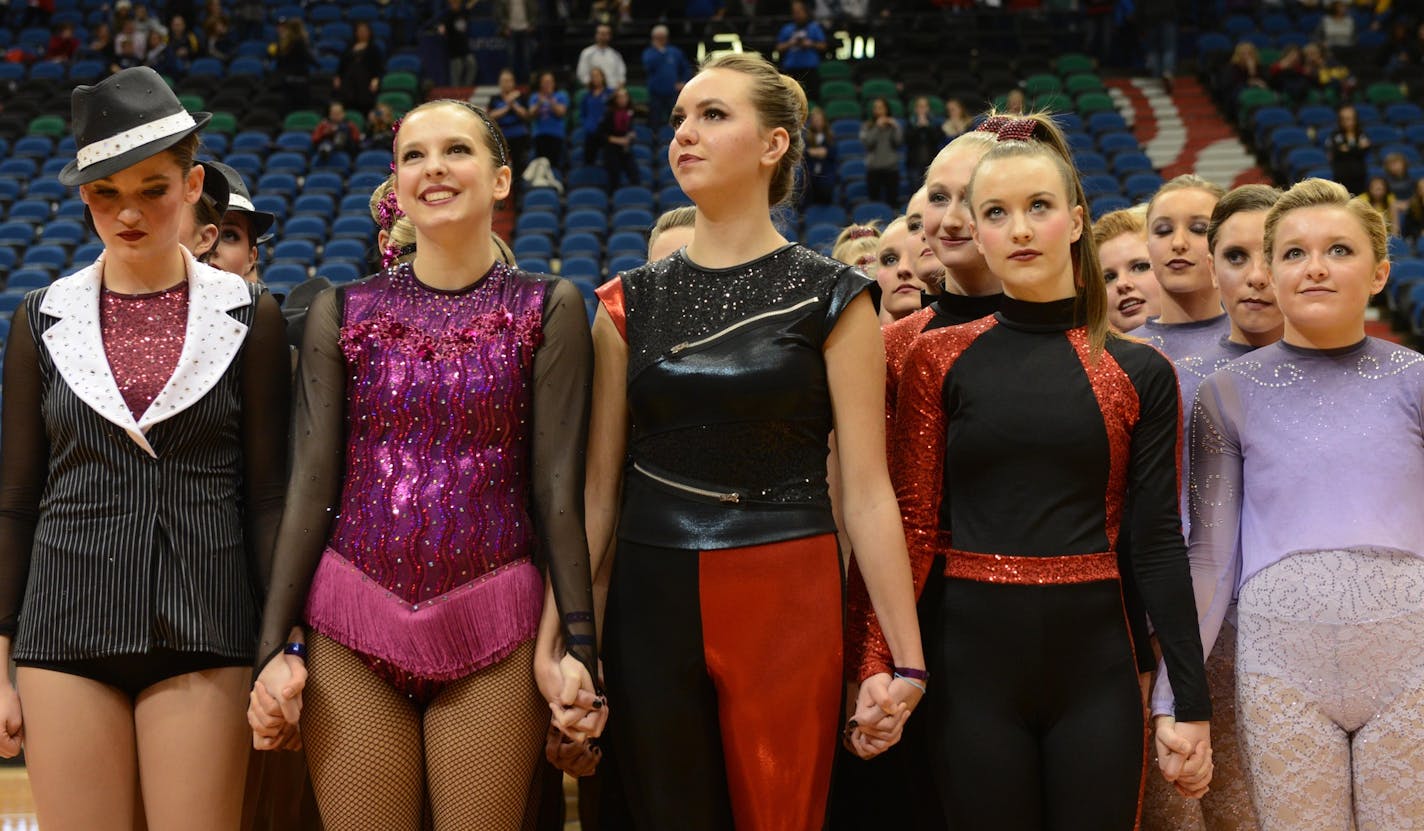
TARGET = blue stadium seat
(405,62)
(1089,162)
(594,177)
(295,142)
(672,196)
(33,211)
(1101,185)
(64,232)
(1141,186)
(354,204)
(206,68)
(633,219)
(532,245)
(16,233)
(627,242)
(822,235)
(542,199)
(12,72)
(1317,116)
(536,222)
(1408,151)
(375,160)
(8,258)
(25,279)
(1414,133)
(1303,158)
(365,182)
(48,188)
(10,301)
(9,189)
(833,214)
(1287,138)
(851,169)
(325,182)
(1266,119)
(286,162)
(1106,122)
(337,162)
(534,265)
(248,164)
(1110,144)
(251,141)
(1107,204)
(280,184)
(45,255)
(1384,134)
(353,227)
(633,196)
(1403,115)
(86,254)
(588,198)
(48,71)
(579,244)
(86,72)
(1367,113)
(251,49)
(294,250)
(618,265)
(339,272)
(1399,248)
(286,273)
(316,204)
(305,227)
(580,268)
(1080,142)
(338,30)
(244,66)
(868,211)
(1125,163)
(54,165)
(19,168)
(588,221)
(272,203)
(344,249)
(323,13)
(33,147)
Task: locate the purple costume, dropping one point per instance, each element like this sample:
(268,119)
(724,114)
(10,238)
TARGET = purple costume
(451,488)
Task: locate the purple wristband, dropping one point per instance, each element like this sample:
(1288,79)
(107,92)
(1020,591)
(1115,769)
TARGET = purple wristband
(911,672)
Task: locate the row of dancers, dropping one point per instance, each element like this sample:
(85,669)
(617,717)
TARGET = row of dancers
(672,547)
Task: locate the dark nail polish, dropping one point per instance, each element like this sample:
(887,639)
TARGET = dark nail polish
(598,704)
(852,724)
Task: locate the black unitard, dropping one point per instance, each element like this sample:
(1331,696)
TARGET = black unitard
(1013,450)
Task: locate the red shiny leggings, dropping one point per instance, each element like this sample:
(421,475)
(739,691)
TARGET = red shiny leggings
(724,675)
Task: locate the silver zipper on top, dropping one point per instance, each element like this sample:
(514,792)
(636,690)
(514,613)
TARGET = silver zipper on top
(729,498)
(746,321)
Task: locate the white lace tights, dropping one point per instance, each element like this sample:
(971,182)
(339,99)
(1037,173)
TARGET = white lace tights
(1330,691)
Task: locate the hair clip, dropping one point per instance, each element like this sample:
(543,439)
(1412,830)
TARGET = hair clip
(388,211)
(861,232)
(1009,128)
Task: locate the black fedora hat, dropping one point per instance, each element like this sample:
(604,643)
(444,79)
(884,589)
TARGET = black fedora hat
(123,120)
(215,186)
(240,200)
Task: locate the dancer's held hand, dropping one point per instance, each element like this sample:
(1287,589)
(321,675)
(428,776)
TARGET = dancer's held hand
(1184,754)
(881,708)
(14,735)
(574,758)
(274,708)
(579,710)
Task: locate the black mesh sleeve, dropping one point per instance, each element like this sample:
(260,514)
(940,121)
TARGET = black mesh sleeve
(314,487)
(24,466)
(563,380)
(266,413)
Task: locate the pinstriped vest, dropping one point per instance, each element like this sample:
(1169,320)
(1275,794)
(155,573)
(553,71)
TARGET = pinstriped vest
(131,551)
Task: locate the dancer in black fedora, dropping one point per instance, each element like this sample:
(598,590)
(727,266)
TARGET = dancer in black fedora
(243,227)
(139,492)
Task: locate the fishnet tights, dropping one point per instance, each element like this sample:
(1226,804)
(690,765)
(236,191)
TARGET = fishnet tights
(374,754)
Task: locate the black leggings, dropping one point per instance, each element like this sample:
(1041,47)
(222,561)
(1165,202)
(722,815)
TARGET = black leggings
(725,669)
(1037,714)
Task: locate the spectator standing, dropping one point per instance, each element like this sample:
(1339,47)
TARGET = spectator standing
(801,43)
(956,120)
(667,70)
(595,101)
(101,47)
(379,123)
(359,74)
(1378,196)
(616,131)
(923,139)
(292,59)
(1396,173)
(1289,76)
(130,42)
(517,21)
(602,55)
(1349,147)
(183,45)
(882,138)
(455,27)
(1157,23)
(507,108)
(820,160)
(217,29)
(548,106)
(1337,29)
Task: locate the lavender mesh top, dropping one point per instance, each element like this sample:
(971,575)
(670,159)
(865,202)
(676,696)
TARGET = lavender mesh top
(1301,450)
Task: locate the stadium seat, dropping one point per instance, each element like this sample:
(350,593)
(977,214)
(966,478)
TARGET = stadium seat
(315,204)
(536,222)
(354,227)
(298,251)
(588,221)
(618,265)
(533,245)
(344,249)
(627,242)
(580,268)
(339,272)
(872,211)
(633,219)
(588,198)
(305,227)
(580,244)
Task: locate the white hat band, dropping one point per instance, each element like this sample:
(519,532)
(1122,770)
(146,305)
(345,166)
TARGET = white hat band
(121,143)
(236,201)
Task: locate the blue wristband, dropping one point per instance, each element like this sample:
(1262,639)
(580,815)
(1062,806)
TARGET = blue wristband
(297,649)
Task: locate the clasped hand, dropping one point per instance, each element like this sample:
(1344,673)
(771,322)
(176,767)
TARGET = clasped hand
(1184,754)
(882,706)
(274,707)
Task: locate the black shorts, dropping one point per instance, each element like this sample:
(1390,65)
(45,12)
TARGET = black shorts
(132,674)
